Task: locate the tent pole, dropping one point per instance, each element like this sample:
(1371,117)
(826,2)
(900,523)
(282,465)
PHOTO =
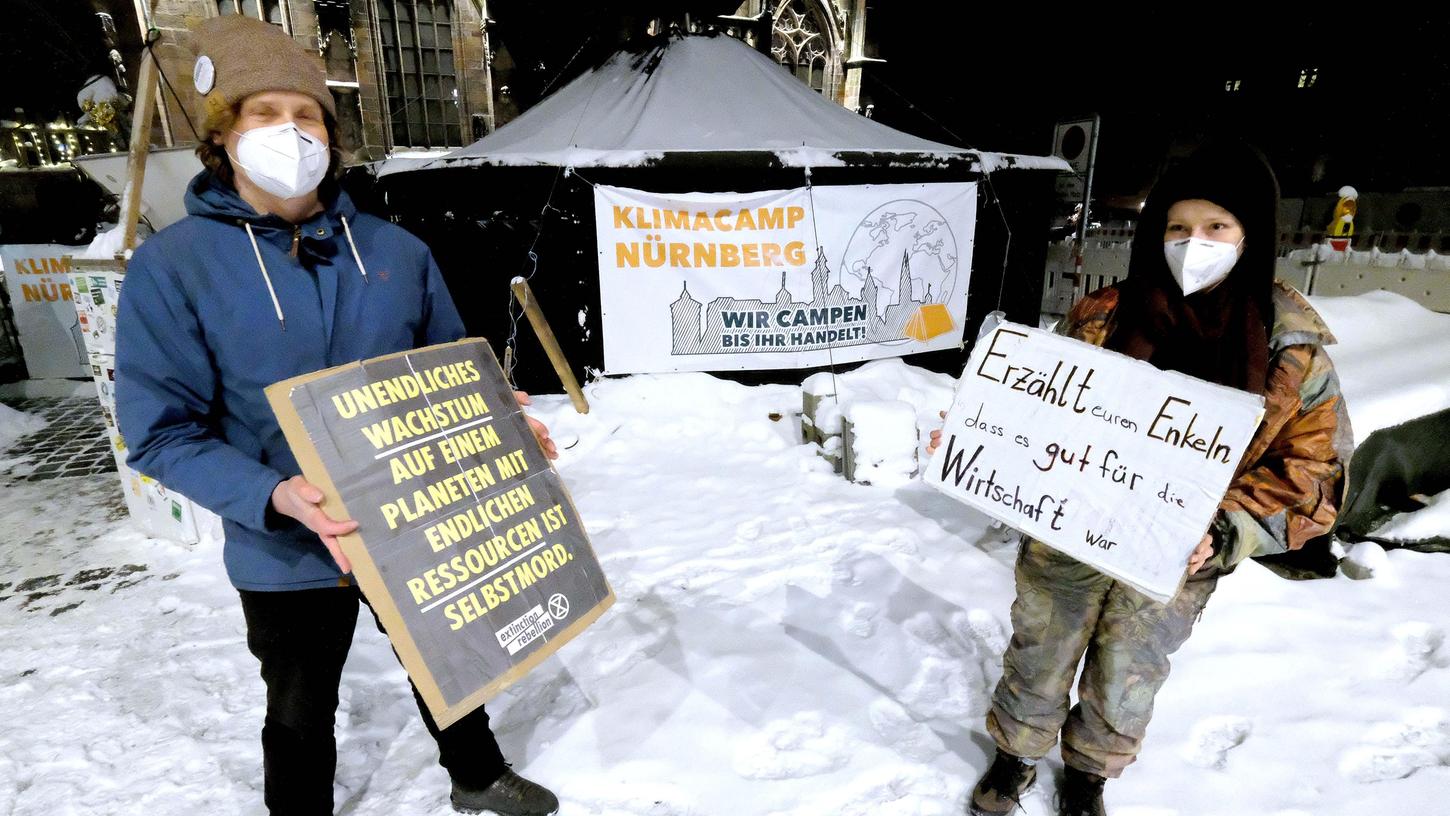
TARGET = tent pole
(140,148)
(525,296)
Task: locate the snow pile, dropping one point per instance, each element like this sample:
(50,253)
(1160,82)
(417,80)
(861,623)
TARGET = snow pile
(1365,560)
(881,442)
(1393,358)
(828,398)
(892,380)
(1430,521)
(821,420)
(15,424)
(109,243)
(820,384)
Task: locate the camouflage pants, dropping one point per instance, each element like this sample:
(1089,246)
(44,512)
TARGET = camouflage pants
(1063,609)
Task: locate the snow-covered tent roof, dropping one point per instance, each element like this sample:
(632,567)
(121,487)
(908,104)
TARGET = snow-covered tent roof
(700,94)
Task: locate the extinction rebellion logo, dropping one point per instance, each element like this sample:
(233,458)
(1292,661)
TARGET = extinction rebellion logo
(532,625)
(559,606)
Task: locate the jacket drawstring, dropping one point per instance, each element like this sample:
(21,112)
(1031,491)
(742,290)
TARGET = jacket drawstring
(347,230)
(277,305)
(266,277)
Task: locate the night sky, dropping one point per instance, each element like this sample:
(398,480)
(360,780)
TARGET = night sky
(999,79)
(1375,117)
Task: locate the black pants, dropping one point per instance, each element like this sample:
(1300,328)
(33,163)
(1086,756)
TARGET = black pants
(302,639)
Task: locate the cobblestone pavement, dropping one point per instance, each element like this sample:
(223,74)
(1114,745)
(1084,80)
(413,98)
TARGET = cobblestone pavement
(74,443)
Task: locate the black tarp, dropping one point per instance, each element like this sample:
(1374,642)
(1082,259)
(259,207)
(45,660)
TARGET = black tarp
(1393,471)
(482,221)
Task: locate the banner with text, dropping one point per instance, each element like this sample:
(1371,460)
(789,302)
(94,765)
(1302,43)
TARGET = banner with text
(1101,456)
(37,277)
(468,545)
(782,278)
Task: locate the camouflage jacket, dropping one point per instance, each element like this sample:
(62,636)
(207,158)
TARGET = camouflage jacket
(1288,486)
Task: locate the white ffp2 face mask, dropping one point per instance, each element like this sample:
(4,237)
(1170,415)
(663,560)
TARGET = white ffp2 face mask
(1198,263)
(283,159)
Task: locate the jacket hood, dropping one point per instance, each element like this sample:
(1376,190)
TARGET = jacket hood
(1295,320)
(313,240)
(1234,176)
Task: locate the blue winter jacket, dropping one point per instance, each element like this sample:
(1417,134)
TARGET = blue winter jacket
(200,336)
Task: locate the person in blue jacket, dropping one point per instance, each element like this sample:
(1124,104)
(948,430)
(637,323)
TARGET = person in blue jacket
(274,273)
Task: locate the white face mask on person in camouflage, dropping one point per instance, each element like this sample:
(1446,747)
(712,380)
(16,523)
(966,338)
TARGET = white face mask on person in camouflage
(1198,263)
(283,159)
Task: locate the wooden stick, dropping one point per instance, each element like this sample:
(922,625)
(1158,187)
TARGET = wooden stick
(140,148)
(526,297)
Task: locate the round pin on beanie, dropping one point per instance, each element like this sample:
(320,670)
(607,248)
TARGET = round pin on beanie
(238,56)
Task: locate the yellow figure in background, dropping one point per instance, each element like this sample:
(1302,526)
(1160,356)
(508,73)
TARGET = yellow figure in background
(1341,226)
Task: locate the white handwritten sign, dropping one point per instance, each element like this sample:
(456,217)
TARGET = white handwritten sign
(1094,453)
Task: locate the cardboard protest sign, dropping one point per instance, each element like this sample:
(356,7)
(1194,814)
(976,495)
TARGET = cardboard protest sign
(1096,454)
(468,546)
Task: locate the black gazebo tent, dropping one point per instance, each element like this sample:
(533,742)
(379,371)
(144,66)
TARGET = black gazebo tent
(682,113)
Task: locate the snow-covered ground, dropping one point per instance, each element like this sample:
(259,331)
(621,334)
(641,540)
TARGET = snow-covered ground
(783,643)
(1393,358)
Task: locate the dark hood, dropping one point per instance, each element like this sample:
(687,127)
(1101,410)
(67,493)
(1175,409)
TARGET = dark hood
(1220,335)
(1234,176)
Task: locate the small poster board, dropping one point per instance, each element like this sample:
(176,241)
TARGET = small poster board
(37,278)
(95,286)
(468,547)
(1096,454)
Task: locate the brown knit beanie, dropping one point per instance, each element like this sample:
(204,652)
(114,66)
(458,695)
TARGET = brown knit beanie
(238,56)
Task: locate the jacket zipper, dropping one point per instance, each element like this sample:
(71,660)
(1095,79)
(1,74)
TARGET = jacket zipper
(296,239)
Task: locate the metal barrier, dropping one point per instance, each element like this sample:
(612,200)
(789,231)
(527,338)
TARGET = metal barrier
(1423,277)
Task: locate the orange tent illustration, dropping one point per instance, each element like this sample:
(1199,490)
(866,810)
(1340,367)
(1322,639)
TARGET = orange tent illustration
(931,320)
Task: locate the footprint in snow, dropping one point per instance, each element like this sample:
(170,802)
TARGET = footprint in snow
(983,630)
(906,736)
(790,749)
(1374,763)
(1396,749)
(750,530)
(634,798)
(860,620)
(1212,738)
(1415,650)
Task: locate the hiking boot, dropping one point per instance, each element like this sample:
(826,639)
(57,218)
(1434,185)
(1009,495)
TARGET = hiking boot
(509,795)
(1081,794)
(1000,789)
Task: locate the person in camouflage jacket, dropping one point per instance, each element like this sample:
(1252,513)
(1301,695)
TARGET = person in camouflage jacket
(1244,330)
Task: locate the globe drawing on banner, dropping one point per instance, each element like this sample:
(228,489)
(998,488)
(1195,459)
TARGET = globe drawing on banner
(909,252)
